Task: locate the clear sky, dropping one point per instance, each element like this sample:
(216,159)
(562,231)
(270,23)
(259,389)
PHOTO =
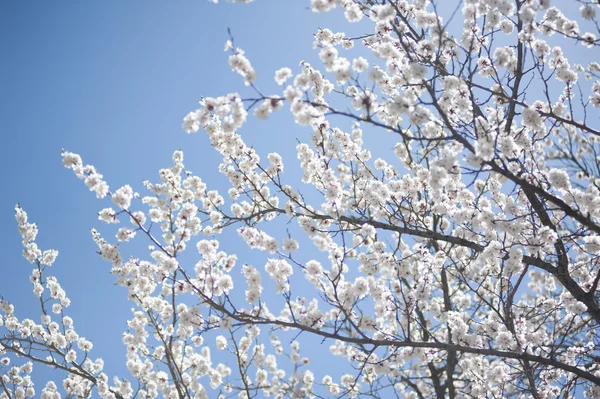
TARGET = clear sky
(112,80)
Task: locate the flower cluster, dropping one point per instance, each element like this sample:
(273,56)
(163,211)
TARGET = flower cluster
(464,263)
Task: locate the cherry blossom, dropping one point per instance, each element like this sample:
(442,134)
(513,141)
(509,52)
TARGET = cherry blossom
(463,262)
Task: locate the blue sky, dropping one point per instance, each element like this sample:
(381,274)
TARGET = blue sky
(112,82)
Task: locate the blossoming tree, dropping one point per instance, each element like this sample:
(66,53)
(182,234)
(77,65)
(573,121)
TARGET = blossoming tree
(468,266)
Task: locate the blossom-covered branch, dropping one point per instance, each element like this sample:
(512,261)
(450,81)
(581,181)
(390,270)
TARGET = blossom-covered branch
(466,265)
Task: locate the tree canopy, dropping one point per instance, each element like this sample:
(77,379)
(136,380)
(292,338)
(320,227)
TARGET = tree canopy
(465,266)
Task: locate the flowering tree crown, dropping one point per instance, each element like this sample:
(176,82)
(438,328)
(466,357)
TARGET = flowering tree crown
(468,266)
